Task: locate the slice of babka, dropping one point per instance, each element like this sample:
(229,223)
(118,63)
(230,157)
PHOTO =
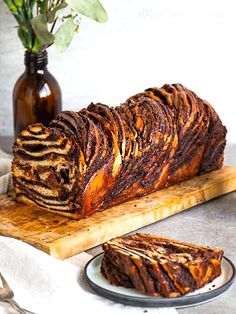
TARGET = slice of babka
(159,266)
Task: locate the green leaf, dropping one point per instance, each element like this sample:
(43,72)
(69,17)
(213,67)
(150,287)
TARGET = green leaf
(25,37)
(19,3)
(90,8)
(20,10)
(64,35)
(17,7)
(40,27)
(51,15)
(22,35)
(37,47)
(11,5)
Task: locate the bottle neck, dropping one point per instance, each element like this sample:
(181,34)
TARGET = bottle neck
(36,62)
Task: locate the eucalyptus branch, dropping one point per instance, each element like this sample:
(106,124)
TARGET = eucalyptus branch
(35,16)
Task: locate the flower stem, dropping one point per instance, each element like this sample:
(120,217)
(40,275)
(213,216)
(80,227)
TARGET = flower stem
(54,23)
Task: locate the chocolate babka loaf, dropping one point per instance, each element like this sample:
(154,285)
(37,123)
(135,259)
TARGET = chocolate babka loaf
(159,266)
(101,156)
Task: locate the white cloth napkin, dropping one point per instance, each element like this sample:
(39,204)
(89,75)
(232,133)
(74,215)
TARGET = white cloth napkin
(5,172)
(45,285)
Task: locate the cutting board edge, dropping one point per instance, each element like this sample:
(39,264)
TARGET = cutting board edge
(205,195)
(62,248)
(42,247)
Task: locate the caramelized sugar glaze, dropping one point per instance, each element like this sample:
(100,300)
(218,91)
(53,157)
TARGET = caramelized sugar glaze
(102,156)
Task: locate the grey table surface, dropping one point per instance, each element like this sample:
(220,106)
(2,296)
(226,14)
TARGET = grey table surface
(212,223)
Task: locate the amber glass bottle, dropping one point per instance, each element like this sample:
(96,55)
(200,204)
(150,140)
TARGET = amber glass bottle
(36,95)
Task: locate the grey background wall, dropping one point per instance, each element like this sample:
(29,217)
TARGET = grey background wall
(145,43)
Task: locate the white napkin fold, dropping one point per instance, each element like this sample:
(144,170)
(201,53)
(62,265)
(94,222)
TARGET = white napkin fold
(5,172)
(45,285)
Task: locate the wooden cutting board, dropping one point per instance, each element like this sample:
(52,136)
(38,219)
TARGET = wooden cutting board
(63,237)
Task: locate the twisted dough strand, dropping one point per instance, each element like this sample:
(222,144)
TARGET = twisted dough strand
(101,156)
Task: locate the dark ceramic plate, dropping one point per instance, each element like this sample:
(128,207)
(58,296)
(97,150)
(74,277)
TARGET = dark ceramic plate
(132,297)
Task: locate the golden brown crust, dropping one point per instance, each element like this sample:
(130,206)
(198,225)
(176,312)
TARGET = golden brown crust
(102,156)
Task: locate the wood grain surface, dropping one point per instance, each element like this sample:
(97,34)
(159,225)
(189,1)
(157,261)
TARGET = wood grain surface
(63,237)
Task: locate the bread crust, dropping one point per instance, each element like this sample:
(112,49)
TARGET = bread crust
(102,156)
(159,266)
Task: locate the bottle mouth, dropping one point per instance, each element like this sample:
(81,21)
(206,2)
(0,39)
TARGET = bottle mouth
(36,60)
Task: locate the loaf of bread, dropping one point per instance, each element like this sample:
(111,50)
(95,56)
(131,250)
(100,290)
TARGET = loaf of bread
(159,266)
(102,156)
